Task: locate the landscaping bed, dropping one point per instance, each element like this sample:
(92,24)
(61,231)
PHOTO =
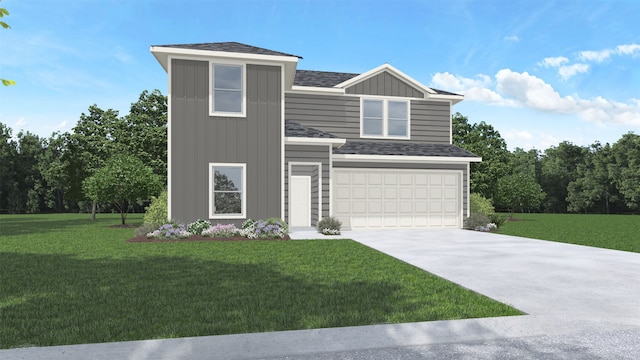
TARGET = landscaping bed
(145,239)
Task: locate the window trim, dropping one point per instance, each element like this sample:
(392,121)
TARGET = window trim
(243,72)
(385,118)
(243,214)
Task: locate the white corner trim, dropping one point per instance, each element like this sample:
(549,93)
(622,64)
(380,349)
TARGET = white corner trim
(292,140)
(405,159)
(169,153)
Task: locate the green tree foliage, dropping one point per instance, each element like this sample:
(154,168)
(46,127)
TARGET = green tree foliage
(480,204)
(143,131)
(559,168)
(593,190)
(4,12)
(625,170)
(8,178)
(519,192)
(123,180)
(483,140)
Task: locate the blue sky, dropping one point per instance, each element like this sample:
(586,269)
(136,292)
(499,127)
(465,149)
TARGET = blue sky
(540,72)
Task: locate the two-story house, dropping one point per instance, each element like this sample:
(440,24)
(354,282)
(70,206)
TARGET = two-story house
(251,136)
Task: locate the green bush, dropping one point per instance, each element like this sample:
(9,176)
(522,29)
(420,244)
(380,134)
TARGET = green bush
(198,226)
(476,220)
(157,212)
(497,219)
(146,228)
(278,222)
(329,226)
(480,204)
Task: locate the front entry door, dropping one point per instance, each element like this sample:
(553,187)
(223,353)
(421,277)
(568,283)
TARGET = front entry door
(300,201)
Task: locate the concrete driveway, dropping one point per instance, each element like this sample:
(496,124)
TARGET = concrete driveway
(582,303)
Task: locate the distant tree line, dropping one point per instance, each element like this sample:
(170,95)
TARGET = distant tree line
(56,174)
(564,178)
(47,174)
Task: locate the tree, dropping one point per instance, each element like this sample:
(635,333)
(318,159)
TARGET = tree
(88,147)
(143,132)
(593,189)
(123,180)
(625,170)
(559,168)
(4,12)
(8,155)
(519,191)
(483,140)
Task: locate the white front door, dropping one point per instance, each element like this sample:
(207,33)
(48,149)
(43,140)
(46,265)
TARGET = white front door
(300,201)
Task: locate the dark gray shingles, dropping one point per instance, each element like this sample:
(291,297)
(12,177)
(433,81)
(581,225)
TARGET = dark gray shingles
(321,78)
(442,92)
(401,148)
(293,129)
(235,47)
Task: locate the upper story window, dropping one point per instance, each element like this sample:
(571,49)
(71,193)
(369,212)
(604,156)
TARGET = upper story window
(227,90)
(384,118)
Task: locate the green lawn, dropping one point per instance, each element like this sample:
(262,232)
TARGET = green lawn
(619,232)
(67,280)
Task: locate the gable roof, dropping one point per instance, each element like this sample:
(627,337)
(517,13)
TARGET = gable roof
(293,129)
(327,79)
(403,149)
(233,47)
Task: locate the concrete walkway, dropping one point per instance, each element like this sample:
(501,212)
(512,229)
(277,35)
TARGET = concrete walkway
(583,303)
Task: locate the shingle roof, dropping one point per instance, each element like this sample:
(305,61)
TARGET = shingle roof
(321,78)
(331,79)
(401,148)
(293,129)
(230,47)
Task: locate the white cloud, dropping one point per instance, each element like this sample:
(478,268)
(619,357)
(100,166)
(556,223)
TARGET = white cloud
(62,125)
(19,123)
(531,92)
(629,49)
(569,71)
(597,56)
(476,89)
(553,61)
(512,38)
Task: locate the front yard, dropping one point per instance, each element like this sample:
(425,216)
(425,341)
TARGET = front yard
(618,232)
(67,280)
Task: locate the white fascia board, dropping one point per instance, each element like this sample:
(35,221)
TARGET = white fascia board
(404,159)
(315,90)
(292,140)
(391,69)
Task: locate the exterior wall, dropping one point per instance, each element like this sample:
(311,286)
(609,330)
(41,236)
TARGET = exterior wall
(340,115)
(462,167)
(309,154)
(384,84)
(198,139)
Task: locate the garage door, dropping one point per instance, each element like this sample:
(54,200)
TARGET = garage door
(366,198)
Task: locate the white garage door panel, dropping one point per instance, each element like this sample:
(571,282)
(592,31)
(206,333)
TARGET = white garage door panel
(375,198)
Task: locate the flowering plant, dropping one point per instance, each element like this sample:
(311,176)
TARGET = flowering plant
(170,231)
(220,230)
(264,229)
(198,226)
(488,227)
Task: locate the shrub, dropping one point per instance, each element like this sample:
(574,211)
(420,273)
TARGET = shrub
(329,226)
(170,231)
(476,220)
(497,219)
(480,204)
(219,230)
(156,212)
(198,226)
(145,229)
(264,229)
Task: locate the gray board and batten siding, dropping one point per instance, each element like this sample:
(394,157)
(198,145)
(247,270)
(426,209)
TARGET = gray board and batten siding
(198,139)
(340,116)
(384,84)
(309,154)
(424,166)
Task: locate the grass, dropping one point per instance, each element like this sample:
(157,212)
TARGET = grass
(618,232)
(67,280)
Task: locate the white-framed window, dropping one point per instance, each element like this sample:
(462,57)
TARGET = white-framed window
(227,97)
(384,118)
(227,197)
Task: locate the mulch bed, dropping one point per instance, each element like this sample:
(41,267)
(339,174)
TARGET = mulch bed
(145,239)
